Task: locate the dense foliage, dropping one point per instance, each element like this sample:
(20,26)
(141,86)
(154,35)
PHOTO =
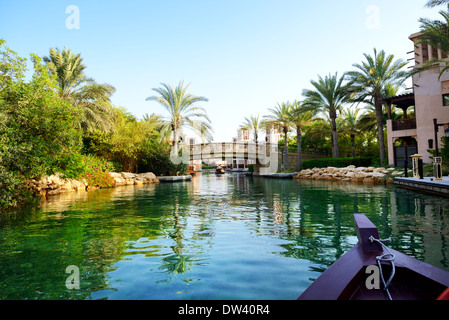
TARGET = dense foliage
(61,121)
(37,132)
(157,160)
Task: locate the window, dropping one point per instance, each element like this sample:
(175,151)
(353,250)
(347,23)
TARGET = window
(434,53)
(425,53)
(446,99)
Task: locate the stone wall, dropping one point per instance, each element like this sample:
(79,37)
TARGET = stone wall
(55,184)
(351,173)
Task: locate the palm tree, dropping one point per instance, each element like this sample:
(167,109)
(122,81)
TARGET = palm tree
(435,33)
(302,116)
(182,110)
(253,124)
(369,81)
(80,91)
(329,95)
(351,125)
(281,118)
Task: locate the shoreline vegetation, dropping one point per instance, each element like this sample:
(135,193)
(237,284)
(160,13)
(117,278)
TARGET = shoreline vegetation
(56,183)
(62,121)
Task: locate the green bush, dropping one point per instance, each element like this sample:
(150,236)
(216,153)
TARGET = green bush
(96,171)
(336,162)
(38,132)
(99,179)
(251,168)
(92,163)
(157,160)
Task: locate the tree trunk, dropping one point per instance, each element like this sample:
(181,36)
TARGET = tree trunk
(175,139)
(380,129)
(353,145)
(298,138)
(335,148)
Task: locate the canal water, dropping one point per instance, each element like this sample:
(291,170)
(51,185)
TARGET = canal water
(216,237)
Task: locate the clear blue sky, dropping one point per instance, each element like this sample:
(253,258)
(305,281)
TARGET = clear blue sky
(244,56)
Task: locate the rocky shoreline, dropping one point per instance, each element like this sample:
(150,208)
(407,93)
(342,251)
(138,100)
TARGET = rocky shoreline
(56,184)
(370,175)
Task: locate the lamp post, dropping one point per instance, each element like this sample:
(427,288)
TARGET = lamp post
(437,161)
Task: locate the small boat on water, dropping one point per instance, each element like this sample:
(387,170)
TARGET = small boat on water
(372,271)
(219,170)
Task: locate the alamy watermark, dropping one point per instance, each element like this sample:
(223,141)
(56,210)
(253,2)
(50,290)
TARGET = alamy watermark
(73,280)
(373,280)
(73,19)
(372,22)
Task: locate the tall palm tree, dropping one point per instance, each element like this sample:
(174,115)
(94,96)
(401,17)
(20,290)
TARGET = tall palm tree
(182,110)
(329,95)
(301,116)
(369,81)
(281,118)
(253,124)
(93,98)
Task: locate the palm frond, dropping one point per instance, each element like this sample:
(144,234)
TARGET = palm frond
(434,3)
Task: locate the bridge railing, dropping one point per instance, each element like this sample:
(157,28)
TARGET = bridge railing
(241,150)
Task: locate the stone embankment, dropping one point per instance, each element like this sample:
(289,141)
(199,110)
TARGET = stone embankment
(370,175)
(56,184)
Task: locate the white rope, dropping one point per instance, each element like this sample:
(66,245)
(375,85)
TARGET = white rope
(385,257)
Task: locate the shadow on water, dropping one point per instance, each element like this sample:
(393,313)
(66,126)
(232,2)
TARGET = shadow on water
(216,237)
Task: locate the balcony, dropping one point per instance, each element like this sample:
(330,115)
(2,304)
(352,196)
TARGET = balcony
(404,124)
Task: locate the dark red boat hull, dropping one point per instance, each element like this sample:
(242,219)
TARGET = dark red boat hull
(346,278)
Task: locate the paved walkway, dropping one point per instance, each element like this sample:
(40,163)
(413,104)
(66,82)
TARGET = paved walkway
(444,182)
(428,184)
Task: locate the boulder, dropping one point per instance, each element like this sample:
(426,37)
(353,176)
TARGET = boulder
(115,174)
(78,185)
(148,177)
(118,181)
(127,175)
(368,180)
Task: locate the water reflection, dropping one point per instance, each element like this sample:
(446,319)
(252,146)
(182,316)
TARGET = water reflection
(216,237)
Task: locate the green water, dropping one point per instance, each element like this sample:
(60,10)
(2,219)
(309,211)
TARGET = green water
(227,237)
